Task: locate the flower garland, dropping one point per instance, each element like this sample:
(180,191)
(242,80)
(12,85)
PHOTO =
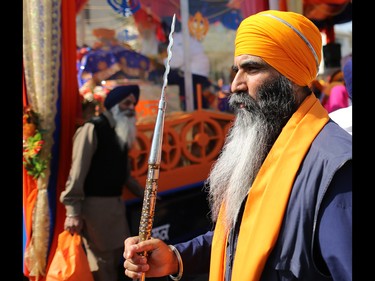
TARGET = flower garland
(92,99)
(33,144)
(96,94)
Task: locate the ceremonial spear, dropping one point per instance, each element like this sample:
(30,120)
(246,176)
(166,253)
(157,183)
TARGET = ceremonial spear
(149,198)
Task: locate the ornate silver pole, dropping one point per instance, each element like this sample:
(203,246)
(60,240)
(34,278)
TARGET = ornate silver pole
(149,199)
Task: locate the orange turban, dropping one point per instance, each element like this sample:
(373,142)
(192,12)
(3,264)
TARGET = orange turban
(287,41)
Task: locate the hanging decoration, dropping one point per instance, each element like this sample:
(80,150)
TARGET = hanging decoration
(198,26)
(125,7)
(32,144)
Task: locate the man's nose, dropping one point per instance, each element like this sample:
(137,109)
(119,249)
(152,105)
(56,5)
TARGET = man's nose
(238,84)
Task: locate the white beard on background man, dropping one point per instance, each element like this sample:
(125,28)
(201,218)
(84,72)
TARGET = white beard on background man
(125,125)
(257,125)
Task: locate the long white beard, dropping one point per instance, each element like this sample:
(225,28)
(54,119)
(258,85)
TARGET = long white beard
(234,171)
(126,129)
(257,126)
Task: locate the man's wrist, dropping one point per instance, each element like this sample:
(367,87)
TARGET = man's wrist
(180,264)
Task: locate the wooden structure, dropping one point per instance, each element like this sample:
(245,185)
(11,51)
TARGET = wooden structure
(191,143)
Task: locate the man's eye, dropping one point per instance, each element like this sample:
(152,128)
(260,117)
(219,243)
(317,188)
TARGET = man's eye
(128,103)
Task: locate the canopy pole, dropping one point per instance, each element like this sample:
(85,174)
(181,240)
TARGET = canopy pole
(189,99)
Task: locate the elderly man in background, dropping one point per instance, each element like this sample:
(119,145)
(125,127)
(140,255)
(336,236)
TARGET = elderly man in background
(99,172)
(281,190)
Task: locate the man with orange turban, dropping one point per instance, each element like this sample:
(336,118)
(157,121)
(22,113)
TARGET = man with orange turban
(281,191)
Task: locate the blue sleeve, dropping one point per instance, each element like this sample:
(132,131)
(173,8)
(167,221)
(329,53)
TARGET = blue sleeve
(335,227)
(195,254)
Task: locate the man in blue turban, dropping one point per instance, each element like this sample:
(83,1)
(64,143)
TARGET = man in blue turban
(99,172)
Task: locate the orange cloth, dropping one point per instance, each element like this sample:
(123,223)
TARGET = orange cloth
(280,45)
(268,196)
(70,261)
(30,192)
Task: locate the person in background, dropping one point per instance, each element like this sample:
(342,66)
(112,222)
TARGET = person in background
(199,66)
(335,94)
(338,98)
(100,170)
(343,116)
(335,79)
(280,192)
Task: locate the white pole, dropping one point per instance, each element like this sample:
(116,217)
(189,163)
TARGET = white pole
(189,101)
(81,28)
(274,4)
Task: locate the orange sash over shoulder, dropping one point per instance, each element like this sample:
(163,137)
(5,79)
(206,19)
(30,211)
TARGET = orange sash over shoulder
(268,197)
